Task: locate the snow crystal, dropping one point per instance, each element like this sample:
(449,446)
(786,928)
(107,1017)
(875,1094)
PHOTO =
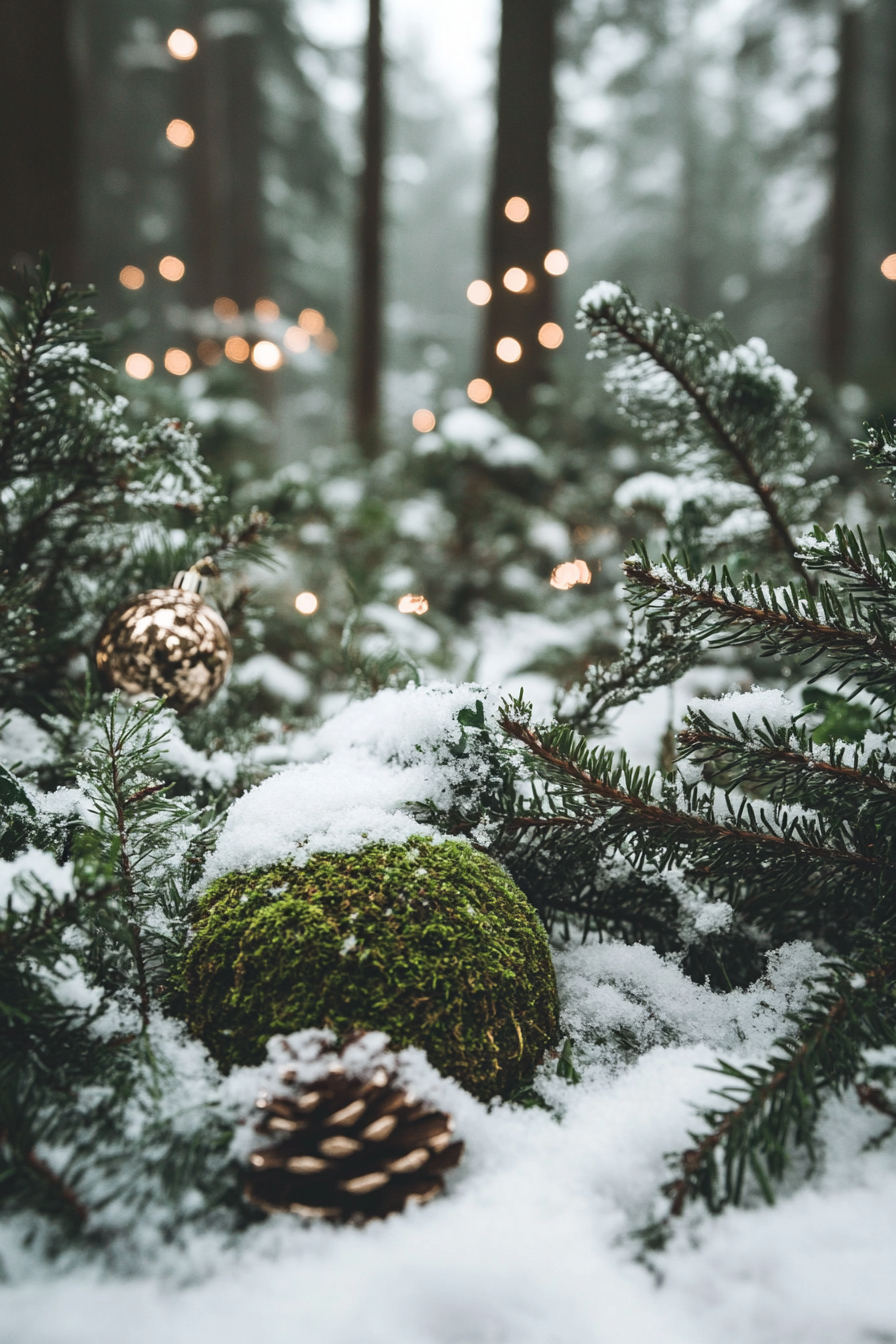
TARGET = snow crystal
(605,291)
(33,871)
(277,677)
(379,757)
(23,742)
(481,433)
(752,708)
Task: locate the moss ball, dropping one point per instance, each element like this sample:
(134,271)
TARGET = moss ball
(432,943)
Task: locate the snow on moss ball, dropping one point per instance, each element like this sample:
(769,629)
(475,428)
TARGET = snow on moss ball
(431,943)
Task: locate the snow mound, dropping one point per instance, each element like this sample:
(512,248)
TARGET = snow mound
(376,759)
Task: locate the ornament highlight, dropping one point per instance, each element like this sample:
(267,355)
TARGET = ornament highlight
(167,643)
(349,1146)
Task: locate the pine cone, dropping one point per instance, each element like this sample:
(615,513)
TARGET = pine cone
(349,1149)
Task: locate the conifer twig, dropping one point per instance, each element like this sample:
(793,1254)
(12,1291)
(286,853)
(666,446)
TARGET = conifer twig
(727,440)
(656,815)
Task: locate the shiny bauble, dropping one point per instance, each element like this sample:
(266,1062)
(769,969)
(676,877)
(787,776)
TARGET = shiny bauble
(167,643)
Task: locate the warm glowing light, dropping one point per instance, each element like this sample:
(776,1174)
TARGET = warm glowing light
(182,45)
(570,573)
(236,349)
(138,366)
(266,355)
(517,209)
(210,352)
(180,133)
(326,340)
(178,361)
(479,390)
(171,268)
(413,604)
(297,340)
(550,335)
(479,292)
(423,421)
(131,277)
(306,604)
(516,280)
(225,310)
(312,321)
(508,349)
(888,266)
(556,262)
(266,310)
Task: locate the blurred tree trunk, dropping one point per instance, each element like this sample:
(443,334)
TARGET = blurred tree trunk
(225,230)
(369,303)
(841,240)
(39,140)
(522,167)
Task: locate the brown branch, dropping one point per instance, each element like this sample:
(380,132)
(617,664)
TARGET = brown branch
(691,737)
(42,1169)
(730,443)
(654,814)
(127,874)
(786,622)
(692,1159)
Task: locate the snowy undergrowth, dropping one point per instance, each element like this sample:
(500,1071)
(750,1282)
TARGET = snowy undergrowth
(535,1242)
(532,1244)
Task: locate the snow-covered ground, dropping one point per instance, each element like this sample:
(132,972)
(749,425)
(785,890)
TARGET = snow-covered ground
(535,1241)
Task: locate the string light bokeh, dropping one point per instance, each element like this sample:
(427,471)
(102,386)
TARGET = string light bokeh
(509,350)
(423,421)
(177,361)
(556,262)
(266,355)
(306,604)
(180,133)
(237,349)
(517,209)
(479,390)
(479,292)
(138,366)
(569,573)
(413,604)
(182,45)
(172,268)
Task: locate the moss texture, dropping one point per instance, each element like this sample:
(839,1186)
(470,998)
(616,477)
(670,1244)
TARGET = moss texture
(433,944)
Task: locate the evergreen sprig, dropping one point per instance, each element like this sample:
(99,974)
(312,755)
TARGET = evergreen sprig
(727,411)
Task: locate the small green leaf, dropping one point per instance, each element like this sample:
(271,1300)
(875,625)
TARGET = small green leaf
(565,1067)
(843,721)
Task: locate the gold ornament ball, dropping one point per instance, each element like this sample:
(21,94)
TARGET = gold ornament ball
(166,642)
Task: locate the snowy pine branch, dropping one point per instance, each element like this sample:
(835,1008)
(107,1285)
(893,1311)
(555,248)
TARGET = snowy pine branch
(730,410)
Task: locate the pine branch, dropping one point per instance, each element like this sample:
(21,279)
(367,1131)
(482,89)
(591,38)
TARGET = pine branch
(680,828)
(787,620)
(745,404)
(782,1099)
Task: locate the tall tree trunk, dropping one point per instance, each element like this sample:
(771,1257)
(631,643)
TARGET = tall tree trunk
(838,316)
(38,139)
(225,231)
(368,307)
(522,167)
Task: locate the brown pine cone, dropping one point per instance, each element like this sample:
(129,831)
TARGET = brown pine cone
(348,1149)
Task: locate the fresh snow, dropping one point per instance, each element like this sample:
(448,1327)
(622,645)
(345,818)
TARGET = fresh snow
(535,1241)
(377,757)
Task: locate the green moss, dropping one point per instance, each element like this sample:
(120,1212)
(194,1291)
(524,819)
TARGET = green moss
(433,944)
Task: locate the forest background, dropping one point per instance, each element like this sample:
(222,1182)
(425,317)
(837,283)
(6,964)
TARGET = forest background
(709,153)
